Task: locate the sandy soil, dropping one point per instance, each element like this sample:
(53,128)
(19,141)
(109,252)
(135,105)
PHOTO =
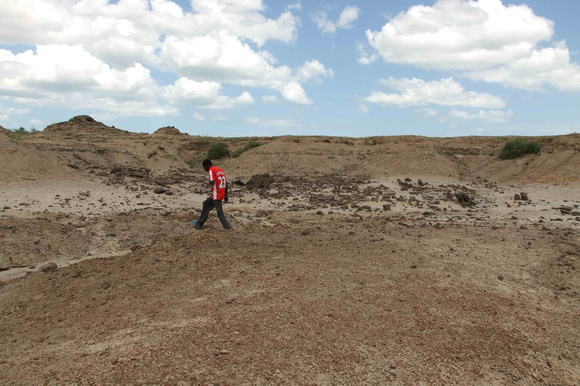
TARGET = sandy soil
(399,260)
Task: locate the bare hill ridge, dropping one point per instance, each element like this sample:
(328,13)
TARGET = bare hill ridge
(82,124)
(5,136)
(82,146)
(416,156)
(168,130)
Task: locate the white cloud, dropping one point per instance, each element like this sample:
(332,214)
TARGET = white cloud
(429,112)
(484,39)
(446,92)
(57,75)
(499,116)
(219,117)
(295,93)
(37,123)
(132,28)
(224,102)
(363,108)
(348,17)
(345,21)
(13,111)
(546,67)
(269,98)
(294,7)
(229,60)
(203,94)
(280,123)
(198,117)
(313,70)
(364,57)
(103,52)
(4,118)
(460,34)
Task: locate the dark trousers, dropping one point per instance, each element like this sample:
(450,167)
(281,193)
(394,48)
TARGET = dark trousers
(208,205)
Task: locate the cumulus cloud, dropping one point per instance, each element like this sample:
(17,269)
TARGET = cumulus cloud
(417,92)
(295,93)
(498,116)
(103,53)
(269,98)
(345,21)
(313,71)
(279,123)
(5,110)
(294,7)
(227,59)
(429,112)
(482,39)
(364,56)
(57,75)
(198,117)
(203,94)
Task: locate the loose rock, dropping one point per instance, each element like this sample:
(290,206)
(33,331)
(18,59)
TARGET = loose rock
(48,267)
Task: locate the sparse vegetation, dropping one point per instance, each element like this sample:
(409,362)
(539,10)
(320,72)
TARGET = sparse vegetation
(204,138)
(218,150)
(242,150)
(519,147)
(22,132)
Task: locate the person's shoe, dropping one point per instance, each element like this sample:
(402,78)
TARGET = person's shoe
(196,225)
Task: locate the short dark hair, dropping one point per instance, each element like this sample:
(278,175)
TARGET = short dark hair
(206,163)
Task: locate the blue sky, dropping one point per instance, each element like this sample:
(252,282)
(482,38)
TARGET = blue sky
(267,68)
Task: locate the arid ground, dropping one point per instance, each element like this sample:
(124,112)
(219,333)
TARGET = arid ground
(384,260)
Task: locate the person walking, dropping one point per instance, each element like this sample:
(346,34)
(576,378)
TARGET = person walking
(219,193)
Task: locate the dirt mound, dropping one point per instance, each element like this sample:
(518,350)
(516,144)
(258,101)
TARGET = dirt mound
(168,130)
(5,136)
(82,124)
(378,157)
(21,162)
(413,156)
(558,162)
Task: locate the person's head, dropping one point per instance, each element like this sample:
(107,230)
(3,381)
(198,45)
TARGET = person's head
(206,164)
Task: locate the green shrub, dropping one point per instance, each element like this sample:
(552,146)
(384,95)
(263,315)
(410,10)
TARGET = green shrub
(22,132)
(249,146)
(218,150)
(517,148)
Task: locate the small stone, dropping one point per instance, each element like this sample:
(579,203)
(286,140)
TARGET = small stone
(524,196)
(500,277)
(48,267)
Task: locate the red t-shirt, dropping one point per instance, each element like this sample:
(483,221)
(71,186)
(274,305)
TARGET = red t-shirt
(218,189)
